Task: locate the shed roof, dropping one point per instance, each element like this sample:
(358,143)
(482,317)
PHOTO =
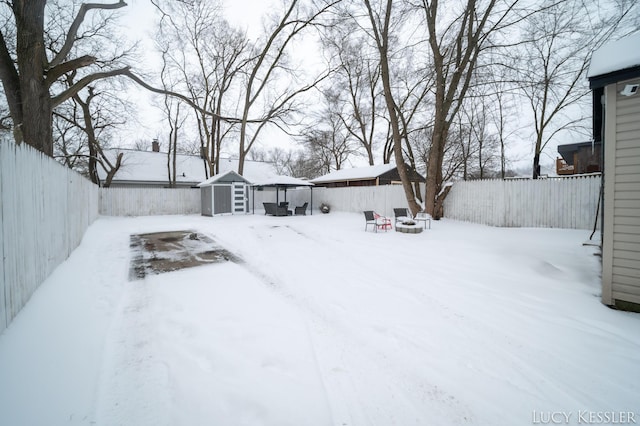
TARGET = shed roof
(356,173)
(226,177)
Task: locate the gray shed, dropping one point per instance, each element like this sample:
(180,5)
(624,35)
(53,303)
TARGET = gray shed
(614,77)
(226,193)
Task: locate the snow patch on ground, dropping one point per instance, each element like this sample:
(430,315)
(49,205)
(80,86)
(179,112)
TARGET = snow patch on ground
(322,324)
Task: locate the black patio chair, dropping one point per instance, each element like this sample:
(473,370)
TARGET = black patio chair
(275,210)
(302,209)
(401,215)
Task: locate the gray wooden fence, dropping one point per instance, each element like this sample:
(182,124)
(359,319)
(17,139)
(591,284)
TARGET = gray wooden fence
(550,203)
(381,199)
(149,201)
(45,209)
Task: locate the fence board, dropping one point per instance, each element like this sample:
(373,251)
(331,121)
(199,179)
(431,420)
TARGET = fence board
(45,211)
(4,318)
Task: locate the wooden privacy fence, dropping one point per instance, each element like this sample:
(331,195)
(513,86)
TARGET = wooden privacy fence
(551,203)
(45,209)
(381,199)
(149,201)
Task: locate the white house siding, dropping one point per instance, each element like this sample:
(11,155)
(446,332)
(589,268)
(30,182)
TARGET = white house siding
(45,209)
(621,241)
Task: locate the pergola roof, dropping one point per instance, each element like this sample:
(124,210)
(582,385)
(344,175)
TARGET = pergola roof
(283,182)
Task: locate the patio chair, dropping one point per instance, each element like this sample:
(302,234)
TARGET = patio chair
(270,208)
(275,210)
(377,221)
(423,217)
(302,209)
(401,215)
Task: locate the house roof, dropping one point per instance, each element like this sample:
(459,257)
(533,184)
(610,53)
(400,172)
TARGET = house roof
(151,167)
(615,61)
(356,173)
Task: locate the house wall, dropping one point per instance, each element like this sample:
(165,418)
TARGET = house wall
(621,233)
(588,160)
(342,184)
(45,209)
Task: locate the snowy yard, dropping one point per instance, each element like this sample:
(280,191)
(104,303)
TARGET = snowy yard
(321,323)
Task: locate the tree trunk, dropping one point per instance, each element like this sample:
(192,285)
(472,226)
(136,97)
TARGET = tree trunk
(434,165)
(536,166)
(91,137)
(36,105)
(111,173)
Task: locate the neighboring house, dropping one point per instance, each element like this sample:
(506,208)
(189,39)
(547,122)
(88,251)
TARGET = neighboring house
(382,174)
(614,77)
(148,169)
(577,158)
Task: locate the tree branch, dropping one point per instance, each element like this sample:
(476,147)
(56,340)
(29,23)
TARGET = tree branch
(56,72)
(73,30)
(127,73)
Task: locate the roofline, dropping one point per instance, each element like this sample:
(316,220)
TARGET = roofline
(603,80)
(345,180)
(579,144)
(151,182)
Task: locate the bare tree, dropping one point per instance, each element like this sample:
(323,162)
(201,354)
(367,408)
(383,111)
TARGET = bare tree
(380,27)
(327,148)
(456,40)
(208,68)
(29,71)
(552,64)
(296,163)
(175,119)
(267,66)
(357,78)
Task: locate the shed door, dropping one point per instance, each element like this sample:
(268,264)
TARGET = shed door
(221,199)
(240,199)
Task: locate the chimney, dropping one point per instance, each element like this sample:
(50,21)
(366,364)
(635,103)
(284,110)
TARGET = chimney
(155,146)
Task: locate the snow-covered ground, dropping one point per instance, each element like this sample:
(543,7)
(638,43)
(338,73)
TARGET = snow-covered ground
(323,324)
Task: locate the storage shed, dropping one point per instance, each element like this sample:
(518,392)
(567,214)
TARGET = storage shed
(226,193)
(614,77)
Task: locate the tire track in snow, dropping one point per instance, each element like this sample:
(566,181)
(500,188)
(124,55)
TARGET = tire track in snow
(133,388)
(349,362)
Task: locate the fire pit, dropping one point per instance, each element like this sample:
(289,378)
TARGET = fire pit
(408,227)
